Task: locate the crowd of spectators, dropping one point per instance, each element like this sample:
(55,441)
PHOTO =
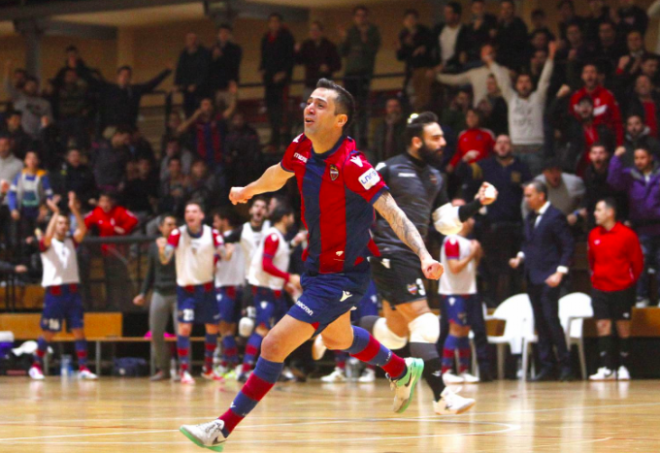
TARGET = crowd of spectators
(578,108)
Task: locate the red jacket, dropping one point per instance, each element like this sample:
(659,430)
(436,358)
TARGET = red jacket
(615,258)
(606,109)
(481,140)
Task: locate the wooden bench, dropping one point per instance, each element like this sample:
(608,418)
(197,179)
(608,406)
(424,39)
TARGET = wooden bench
(100,328)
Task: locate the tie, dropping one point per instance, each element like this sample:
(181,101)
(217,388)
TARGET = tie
(532,219)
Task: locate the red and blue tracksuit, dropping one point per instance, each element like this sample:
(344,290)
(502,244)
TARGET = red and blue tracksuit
(338,189)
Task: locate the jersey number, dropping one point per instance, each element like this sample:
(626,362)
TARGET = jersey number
(188,315)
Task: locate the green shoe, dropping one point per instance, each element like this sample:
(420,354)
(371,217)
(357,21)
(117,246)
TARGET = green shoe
(404,387)
(207,435)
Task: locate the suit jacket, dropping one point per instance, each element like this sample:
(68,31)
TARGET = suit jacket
(547,246)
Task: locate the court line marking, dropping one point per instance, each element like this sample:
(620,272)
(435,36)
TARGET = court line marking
(507,427)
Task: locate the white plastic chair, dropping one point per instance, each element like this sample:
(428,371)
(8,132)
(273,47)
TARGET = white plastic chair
(516,311)
(573,309)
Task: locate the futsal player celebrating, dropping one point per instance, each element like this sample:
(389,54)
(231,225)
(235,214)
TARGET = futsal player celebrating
(61,280)
(420,190)
(195,246)
(616,263)
(339,190)
(268,276)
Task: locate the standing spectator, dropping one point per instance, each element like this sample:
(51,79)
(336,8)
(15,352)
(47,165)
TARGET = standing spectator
(500,235)
(203,186)
(480,29)
(450,40)
(140,193)
(540,25)
(511,37)
(209,130)
(606,108)
(162,279)
(111,220)
(277,59)
(28,193)
(642,185)
(476,77)
(596,186)
(359,45)
(638,135)
(567,17)
(20,141)
(389,133)
(547,250)
(645,102)
(630,64)
(73,107)
(474,143)
(75,62)
(572,55)
(120,102)
(139,147)
(319,56)
(564,190)
(192,73)
(173,192)
(76,177)
(654,12)
(244,155)
(109,158)
(10,165)
(29,102)
(526,109)
(630,17)
(174,150)
(616,263)
(598,13)
(608,49)
(494,108)
(415,47)
(453,115)
(225,65)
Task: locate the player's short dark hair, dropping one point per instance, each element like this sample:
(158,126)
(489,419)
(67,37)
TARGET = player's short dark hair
(607,22)
(643,148)
(164,216)
(71,48)
(228,213)
(281,210)
(635,115)
(411,11)
(551,163)
(196,202)
(586,98)
(539,187)
(476,111)
(360,8)
(455,7)
(416,124)
(125,68)
(599,144)
(259,198)
(344,101)
(610,203)
(109,194)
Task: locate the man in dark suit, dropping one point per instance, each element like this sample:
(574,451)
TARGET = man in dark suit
(546,251)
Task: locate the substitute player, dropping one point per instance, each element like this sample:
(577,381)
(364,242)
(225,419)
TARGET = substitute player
(195,246)
(339,190)
(229,282)
(268,276)
(420,190)
(458,288)
(61,280)
(616,263)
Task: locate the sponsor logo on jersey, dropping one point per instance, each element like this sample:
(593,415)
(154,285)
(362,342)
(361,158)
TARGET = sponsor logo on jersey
(369,178)
(412,289)
(305,308)
(407,175)
(357,161)
(334,172)
(300,157)
(345,295)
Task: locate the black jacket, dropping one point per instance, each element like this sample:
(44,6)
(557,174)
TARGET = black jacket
(193,69)
(277,55)
(462,45)
(511,43)
(546,246)
(422,37)
(477,37)
(225,68)
(313,57)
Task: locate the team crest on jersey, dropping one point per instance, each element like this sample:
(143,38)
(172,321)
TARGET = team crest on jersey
(412,289)
(334,172)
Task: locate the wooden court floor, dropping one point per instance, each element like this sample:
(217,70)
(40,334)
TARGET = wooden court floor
(134,415)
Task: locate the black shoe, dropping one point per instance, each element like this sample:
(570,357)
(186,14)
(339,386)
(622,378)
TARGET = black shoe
(485,376)
(566,376)
(544,376)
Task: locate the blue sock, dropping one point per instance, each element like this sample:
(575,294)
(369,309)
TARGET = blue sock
(210,343)
(448,353)
(229,350)
(464,354)
(369,350)
(251,351)
(81,352)
(42,350)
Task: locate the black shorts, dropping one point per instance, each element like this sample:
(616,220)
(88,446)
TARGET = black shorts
(615,305)
(398,280)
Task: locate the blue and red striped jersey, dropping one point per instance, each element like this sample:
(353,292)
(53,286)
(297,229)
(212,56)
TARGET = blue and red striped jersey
(337,189)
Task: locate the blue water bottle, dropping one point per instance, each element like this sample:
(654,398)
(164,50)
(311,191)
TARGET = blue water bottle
(66,369)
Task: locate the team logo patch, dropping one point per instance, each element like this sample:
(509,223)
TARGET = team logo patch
(334,172)
(412,289)
(369,178)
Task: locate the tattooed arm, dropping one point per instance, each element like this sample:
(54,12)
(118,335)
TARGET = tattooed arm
(408,233)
